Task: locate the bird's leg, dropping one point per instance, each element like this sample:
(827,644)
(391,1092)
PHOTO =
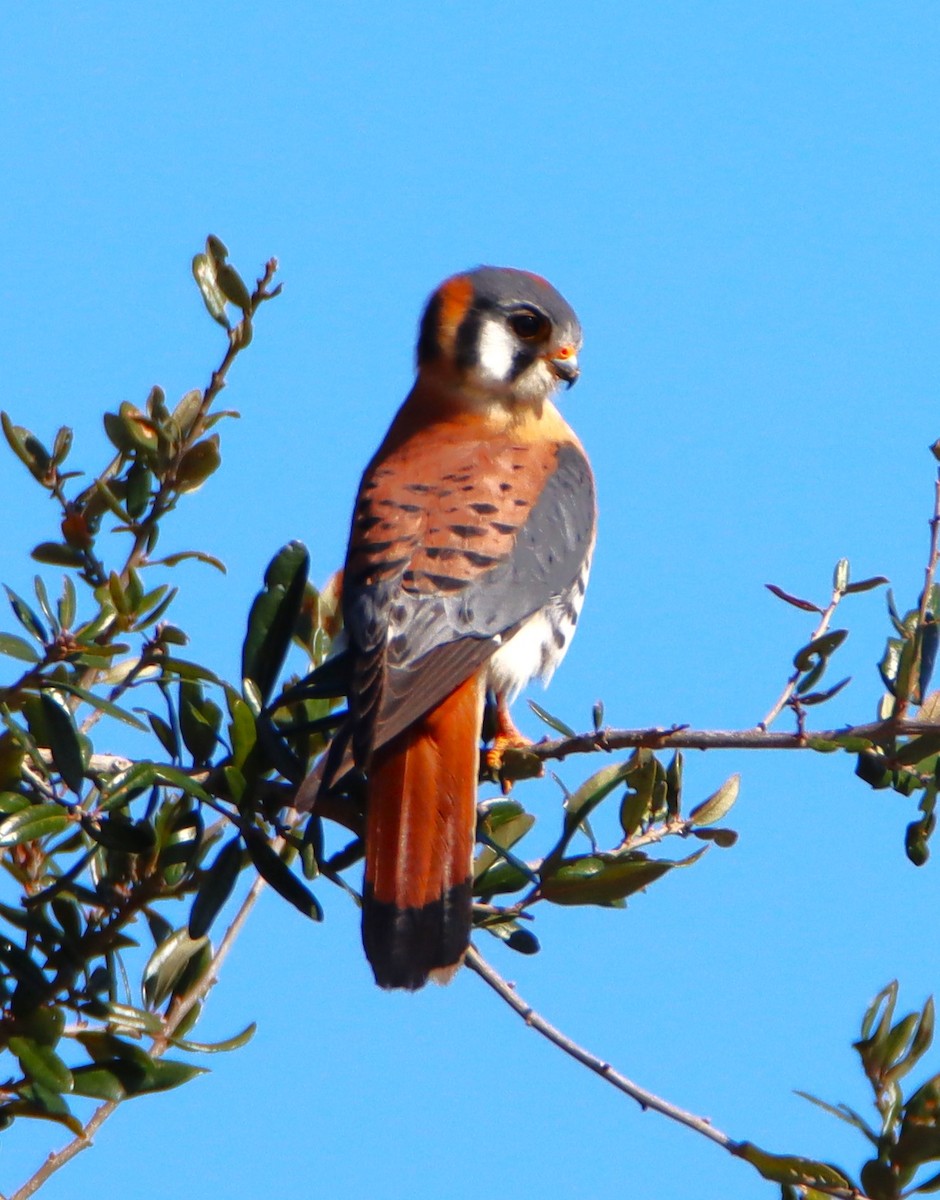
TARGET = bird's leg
(507,737)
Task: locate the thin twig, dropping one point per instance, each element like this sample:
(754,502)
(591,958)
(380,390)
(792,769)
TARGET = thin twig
(787,693)
(645,1099)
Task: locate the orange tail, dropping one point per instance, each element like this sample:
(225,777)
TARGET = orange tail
(420,833)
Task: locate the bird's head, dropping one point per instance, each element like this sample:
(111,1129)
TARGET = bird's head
(500,334)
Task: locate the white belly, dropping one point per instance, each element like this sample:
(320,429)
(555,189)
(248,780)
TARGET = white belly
(540,643)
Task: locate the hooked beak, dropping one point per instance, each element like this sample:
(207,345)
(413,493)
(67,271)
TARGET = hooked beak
(564,365)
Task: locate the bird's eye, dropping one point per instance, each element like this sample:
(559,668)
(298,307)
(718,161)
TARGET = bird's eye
(528,324)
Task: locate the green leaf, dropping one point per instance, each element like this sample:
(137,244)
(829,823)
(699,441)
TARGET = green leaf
(233,286)
(41,1064)
(199,721)
(723,838)
(552,722)
(167,964)
(792,1169)
(232,1043)
(844,1113)
(167,1074)
(718,804)
(172,560)
(31,824)
(63,741)
(216,887)
(198,463)
(805,605)
(176,778)
(204,272)
(17,647)
(919,748)
(272,868)
(273,617)
(23,968)
(28,449)
(116,832)
(821,647)
(104,1081)
(604,879)
(866,585)
(26,617)
(100,703)
(840,576)
(582,802)
(57,554)
(38,1101)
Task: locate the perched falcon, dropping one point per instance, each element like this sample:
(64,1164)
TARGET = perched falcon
(468,560)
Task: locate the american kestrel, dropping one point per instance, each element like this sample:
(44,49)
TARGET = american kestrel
(467,565)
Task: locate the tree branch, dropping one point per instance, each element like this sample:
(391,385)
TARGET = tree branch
(682,737)
(646,1100)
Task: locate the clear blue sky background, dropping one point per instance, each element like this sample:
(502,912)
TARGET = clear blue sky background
(740,200)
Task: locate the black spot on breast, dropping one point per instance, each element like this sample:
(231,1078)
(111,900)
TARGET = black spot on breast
(467,531)
(445,583)
(483,508)
(478,560)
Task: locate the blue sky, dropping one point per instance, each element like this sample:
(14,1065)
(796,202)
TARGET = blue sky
(740,201)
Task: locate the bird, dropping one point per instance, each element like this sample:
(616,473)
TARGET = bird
(468,559)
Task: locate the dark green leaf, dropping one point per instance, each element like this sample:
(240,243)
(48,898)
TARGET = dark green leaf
(272,868)
(38,1101)
(167,1074)
(105,1081)
(811,698)
(118,833)
(165,734)
(57,554)
(63,741)
(41,1064)
(273,617)
(821,647)
(23,968)
(724,838)
(216,887)
(865,585)
(805,605)
(199,721)
(872,768)
(139,484)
